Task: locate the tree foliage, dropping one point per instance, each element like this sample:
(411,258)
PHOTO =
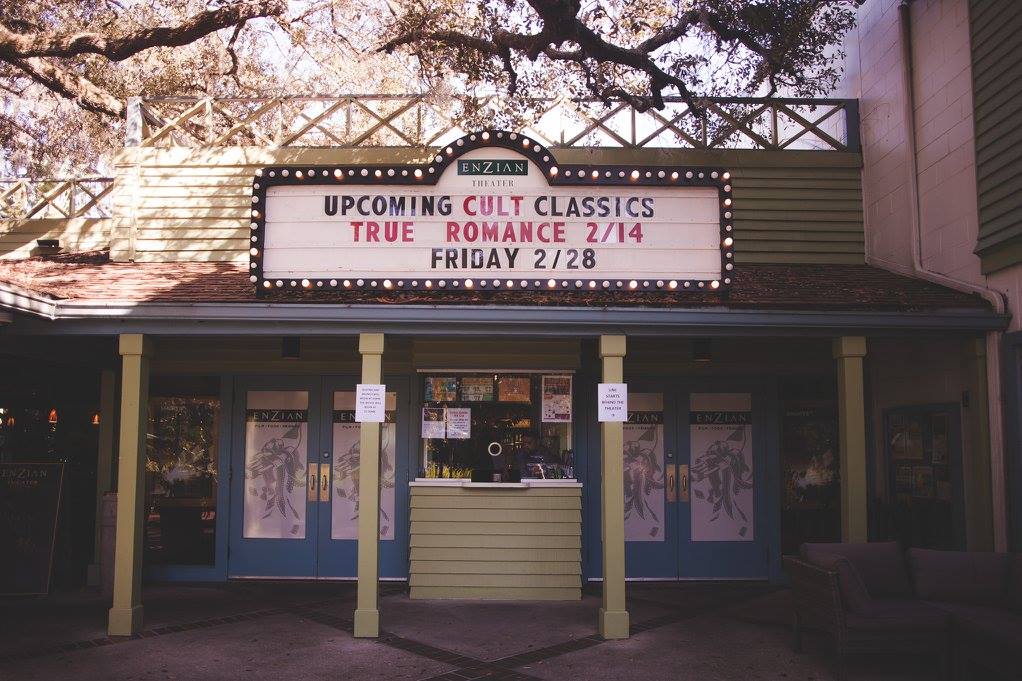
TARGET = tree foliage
(67,67)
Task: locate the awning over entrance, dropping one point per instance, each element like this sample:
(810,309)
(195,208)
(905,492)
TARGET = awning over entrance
(87,291)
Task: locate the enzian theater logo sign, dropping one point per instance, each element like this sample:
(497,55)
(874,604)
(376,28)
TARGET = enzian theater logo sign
(492,211)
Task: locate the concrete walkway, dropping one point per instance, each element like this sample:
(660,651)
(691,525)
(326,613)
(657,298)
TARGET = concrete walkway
(704,631)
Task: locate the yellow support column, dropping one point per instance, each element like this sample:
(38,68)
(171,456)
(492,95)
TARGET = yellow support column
(613,611)
(849,351)
(979,508)
(367,606)
(105,460)
(126,613)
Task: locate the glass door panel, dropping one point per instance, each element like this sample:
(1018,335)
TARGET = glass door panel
(649,488)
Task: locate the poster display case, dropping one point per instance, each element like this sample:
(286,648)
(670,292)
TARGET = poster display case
(502,426)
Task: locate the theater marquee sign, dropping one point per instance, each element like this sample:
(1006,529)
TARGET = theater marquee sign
(493,210)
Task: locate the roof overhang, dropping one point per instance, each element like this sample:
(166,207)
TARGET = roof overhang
(46,316)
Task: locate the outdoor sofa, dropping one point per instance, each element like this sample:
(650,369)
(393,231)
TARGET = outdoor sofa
(963,608)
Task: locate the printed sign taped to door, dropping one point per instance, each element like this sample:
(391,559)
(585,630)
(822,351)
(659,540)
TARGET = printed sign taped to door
(276,453)
(344,507)
(721,470)
(644,468)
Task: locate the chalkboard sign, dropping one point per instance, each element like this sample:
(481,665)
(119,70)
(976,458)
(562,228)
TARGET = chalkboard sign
(29,504)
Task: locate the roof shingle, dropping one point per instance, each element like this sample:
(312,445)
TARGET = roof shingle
(91,276)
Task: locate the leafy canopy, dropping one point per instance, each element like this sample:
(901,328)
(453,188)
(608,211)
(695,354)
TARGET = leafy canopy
(68,66)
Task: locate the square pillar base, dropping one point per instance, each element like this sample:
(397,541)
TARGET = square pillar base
(367,623)
(125,621)
(613,624)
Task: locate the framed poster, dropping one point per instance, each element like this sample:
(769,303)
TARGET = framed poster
(441,389)
(556,399)
(276,456)
(344,507)
(644,469)
(477,389)
(721,470)
(514,389)
(29,508)
(906,437)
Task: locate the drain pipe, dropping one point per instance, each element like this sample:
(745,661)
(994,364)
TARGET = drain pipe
(994,297)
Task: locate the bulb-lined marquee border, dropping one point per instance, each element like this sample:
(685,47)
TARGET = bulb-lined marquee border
(429,173)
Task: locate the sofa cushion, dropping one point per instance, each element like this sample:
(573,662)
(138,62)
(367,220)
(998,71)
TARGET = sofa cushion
(880,565)
(989,624)
(973,577)
(1015,583)
(891,614)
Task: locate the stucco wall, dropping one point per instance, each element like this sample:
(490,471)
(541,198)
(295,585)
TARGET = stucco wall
(945,157)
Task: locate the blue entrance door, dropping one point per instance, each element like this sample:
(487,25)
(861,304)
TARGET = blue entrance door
(697,490)
(274,492)
(340,458)
(295,479)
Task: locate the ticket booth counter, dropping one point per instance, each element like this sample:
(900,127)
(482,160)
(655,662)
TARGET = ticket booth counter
(496,511)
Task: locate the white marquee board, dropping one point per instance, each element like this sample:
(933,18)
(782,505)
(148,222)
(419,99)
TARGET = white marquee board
(491,218)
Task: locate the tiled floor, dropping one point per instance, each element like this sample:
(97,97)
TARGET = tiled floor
(707,631)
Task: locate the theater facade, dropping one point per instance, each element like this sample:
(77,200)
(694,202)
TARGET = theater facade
(547,364)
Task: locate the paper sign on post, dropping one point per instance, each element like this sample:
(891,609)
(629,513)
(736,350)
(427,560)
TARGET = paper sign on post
(613,398)
(370,403)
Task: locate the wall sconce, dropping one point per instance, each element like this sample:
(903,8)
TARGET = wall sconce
(52,418)
(95,419)
(291,347)
(702,350)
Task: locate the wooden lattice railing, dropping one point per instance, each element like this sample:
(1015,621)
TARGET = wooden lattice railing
(419,121)
(84,197)
(427,120)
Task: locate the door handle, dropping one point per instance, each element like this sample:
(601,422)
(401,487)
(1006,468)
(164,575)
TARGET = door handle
(683,479)
(313,481)
(671,482)
(324,482)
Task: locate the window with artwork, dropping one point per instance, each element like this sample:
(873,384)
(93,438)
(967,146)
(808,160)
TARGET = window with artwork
(497,426)
(181,471)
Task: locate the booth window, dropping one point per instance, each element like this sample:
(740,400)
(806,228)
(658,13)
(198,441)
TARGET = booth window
(181,471)
(497,427)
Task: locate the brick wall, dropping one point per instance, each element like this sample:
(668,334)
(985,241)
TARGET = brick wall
(945,157)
